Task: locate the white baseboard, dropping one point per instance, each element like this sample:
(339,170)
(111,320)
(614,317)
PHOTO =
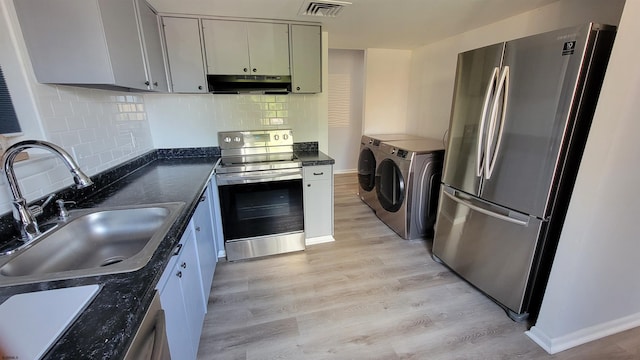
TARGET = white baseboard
(347,171)
(222,254)
(582,336)
(319,240)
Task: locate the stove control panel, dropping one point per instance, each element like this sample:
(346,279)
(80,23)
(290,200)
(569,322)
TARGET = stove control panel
(255,138)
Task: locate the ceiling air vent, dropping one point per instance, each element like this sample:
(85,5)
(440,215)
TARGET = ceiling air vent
(326,8)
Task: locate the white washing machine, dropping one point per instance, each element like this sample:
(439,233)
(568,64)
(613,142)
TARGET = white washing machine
(407,184)
(368,161)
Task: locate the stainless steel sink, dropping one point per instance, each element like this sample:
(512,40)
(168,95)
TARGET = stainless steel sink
(92,242)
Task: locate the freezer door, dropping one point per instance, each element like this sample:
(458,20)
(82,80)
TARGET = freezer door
(476,80)
(489,246)
(543,73)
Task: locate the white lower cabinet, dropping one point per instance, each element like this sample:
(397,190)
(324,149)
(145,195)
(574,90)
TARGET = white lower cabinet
(207,253)
(181,298)
(318,203)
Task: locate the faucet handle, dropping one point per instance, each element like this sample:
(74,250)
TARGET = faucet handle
(37,210)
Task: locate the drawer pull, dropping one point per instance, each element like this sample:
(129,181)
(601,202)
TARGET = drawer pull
(318,174)
(177,250)
(179,274)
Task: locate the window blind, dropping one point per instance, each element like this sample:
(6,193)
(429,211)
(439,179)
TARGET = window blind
(8,120)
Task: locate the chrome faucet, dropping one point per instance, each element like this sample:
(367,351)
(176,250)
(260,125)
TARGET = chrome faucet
(22,214)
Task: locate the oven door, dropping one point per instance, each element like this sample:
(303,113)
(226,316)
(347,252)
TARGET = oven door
(255,209)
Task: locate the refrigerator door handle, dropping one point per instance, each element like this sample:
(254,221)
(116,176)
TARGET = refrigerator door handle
(503,87)
(483,119)
(520,220)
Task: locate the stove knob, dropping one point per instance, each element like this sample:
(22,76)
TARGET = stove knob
(227,139)
(237,139)
(276,137)
(285,136)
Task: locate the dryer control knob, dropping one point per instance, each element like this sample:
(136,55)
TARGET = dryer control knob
(276,137)
(237,139)
(227,139)
(285,136)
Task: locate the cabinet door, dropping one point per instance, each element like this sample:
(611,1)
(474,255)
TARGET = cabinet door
(150,31)
(217,218)
(89,42)
(207,255)
(226,47)
(191,284)
(306,59)
(268,48)
(184,55)
(120,22)
(173,304)
(318,201)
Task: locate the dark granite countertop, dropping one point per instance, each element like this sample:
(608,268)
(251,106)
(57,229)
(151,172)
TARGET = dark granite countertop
(314,158)
(105,328)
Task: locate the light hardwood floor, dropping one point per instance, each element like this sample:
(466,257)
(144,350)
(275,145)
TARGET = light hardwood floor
(368,295)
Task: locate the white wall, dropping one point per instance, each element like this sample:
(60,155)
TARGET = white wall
(594,289)
(190,120)
(346,91)
(99,128)
(386,91)
(433,67)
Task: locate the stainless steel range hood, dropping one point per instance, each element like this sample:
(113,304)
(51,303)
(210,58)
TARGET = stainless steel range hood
(239,84)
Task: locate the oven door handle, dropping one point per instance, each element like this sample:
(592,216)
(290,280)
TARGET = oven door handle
(258,176)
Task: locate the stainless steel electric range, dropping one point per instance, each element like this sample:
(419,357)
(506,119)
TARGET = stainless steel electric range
(260,186)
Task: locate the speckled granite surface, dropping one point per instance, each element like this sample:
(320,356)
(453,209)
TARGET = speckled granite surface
(308,154)
(313,158)
(105,328)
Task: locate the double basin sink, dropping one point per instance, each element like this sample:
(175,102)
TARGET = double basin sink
(92,242)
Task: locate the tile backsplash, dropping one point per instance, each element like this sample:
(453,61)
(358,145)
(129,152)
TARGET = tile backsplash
(99,128)
(191,120)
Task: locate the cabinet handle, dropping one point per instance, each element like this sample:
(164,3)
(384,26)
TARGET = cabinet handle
(298,88)
(179,274)
(147,83)
(318,174)
(183,265)
(200,87)
(203,198)
(177,250)
(308,185)
(254,69)
(245,69)
(155,84)
(197,228)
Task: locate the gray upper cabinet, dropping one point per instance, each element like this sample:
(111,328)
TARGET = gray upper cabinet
(184,55)
(150,33)
(306,55)
(99,43)
(246,48)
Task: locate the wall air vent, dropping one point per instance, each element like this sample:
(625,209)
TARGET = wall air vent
(326,8)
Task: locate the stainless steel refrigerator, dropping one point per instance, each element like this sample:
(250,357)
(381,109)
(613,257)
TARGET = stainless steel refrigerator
(519,123)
